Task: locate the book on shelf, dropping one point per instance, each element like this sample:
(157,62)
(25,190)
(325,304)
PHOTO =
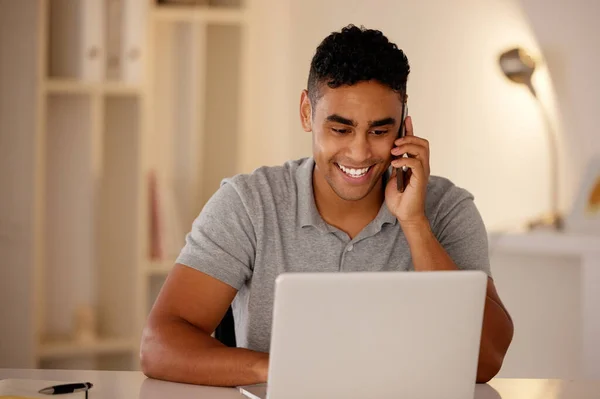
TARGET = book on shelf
(166,233)
(124,36)
(132,36)
(114,26)
(76,44)
(92,60)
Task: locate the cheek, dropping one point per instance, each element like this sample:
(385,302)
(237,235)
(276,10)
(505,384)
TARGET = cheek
(383,148)
(324,144)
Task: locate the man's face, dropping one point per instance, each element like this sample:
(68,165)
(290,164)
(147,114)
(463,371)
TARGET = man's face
(354,128)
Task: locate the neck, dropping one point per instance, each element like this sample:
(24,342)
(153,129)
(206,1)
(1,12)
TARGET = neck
(338,212)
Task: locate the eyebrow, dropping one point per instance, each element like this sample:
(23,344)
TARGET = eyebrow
(382,122)
(340,119)
(345,121)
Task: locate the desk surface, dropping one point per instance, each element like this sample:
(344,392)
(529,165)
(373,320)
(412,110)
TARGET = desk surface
(130,385)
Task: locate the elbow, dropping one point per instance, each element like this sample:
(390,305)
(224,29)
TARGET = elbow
(496,338)
(489,365)
(149,362)
(146,363)
(487,370)
(490,362)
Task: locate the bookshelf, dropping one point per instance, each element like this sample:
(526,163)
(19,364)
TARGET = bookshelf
(160,268)
(119,90)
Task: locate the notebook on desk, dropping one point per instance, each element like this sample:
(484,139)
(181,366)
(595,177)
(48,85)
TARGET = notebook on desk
(374,334)
(23,388)
(30,389)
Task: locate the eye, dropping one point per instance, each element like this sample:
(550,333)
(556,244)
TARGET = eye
(379,132)
(340,131)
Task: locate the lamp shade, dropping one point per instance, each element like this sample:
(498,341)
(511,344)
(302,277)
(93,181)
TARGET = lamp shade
(517,65)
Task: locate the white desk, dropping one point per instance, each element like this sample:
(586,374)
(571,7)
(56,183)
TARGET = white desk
(130,385)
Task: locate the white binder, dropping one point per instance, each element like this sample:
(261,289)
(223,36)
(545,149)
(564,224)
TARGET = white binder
(132,35)
(77,40)
(92,50)
(113,32)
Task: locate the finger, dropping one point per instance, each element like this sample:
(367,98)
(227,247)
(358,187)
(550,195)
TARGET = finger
(414,150)
(414,164)
(423,158)
(412,139)
(409,126)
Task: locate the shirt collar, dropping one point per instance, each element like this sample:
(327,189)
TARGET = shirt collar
(307,209)
(308,214)
(385,216)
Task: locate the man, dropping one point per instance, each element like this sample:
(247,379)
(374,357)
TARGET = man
(339,210)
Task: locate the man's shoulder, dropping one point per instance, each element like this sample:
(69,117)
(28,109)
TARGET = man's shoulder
(268,182)
(443,194)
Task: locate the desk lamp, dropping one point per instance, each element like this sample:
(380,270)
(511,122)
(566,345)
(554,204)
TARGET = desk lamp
(518,66)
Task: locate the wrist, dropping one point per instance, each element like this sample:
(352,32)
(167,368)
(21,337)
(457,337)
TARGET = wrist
(261,368)
(417,231)
(416,224)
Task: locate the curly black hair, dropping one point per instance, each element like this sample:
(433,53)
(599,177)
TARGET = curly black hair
(354,55)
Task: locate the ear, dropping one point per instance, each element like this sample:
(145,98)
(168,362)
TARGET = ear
(305,111)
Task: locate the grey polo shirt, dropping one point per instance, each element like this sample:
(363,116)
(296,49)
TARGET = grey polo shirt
(259,225)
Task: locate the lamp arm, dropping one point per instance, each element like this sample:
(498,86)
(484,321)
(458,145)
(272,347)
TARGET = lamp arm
(553,158)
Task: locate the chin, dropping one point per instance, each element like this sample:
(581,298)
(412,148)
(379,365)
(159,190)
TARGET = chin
(347,196)
(348,191)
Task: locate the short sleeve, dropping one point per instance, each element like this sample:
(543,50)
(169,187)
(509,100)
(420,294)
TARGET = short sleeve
(222,242)
(462,233)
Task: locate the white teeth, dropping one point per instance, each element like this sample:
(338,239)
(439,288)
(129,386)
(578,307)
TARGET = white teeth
(354,172)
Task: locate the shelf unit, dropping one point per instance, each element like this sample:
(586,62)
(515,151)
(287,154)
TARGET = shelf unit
(160,268)
(549,283)
(544,242)
(170,105)
(197,119)
(72,86)
(61,349)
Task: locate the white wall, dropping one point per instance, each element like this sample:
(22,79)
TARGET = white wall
(486,133)
(568,33)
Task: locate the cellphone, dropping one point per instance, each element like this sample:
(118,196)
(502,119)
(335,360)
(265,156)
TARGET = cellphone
(403,174)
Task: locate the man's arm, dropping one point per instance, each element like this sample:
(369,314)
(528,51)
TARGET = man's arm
(428,254)
(462,233)
(177,343)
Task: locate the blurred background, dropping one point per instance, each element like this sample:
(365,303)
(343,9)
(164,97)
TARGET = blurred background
(119,118)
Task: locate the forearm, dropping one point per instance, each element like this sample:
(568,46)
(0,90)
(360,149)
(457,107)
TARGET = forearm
(177,351)
(497,330)
(426,251)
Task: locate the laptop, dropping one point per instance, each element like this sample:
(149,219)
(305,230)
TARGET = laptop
(374,335)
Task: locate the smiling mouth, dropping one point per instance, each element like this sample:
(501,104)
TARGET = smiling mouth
(354,172)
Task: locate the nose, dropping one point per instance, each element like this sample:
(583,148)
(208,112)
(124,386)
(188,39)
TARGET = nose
(360,148)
